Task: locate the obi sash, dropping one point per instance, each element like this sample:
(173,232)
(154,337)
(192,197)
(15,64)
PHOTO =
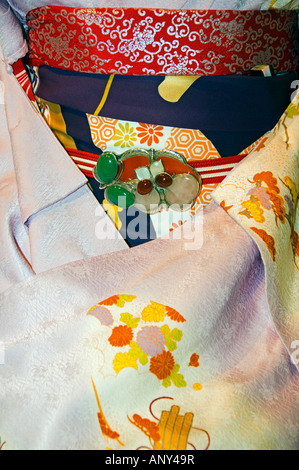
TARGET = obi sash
(130,41)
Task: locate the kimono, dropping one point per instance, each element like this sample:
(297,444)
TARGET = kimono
(188,341)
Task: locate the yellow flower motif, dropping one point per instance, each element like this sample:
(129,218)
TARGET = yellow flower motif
(154,313)
(113,212)
(124,360)
(125,136)
(253,210)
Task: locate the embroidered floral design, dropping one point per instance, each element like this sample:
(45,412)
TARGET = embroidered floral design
(102,314)
(105,428)
(194,360)
(149,134)
(253,210)
(154,313)
(292,202)
(121,336)
(138,354)
(140,342)
(295,245)
(172,337)
(266,196)
(124,360)
(225,207)
(129,320)
(125,136)
(151,340)
(149,428)
(262,197)
(258,145)
(268,239)
(290,113)
(197,387)
(118,300)
(293,109)
(177,379)
(174,315)
(162,365)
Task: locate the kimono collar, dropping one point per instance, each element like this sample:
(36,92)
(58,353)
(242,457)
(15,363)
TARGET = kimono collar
(261,194)
(43,179)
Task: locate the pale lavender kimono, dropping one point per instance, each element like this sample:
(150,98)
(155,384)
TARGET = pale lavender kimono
(197,306)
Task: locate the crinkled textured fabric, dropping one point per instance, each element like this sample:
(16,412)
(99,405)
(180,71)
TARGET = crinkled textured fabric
(242,390)
(42,210)
(11,36)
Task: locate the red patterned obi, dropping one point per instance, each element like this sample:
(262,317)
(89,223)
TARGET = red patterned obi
(131,41)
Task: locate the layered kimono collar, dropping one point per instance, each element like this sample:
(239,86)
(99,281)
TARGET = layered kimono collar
(43,179)
(261,194)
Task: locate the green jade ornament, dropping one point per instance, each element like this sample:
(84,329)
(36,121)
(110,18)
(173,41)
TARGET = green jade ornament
(107,168)
(120,196)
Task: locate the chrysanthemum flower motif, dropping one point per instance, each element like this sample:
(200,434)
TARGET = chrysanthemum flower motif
(149,134)
(151,340)
(121,336)
(154,312)
(102,314)
(125,136)
(162,365)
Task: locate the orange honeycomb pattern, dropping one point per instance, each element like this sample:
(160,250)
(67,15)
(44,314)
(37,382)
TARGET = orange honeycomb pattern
(102,130)
(192,144)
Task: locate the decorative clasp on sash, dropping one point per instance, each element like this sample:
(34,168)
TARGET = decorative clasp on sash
(150,180)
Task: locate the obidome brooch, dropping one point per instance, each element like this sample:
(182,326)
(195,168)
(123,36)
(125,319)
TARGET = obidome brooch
(149,180)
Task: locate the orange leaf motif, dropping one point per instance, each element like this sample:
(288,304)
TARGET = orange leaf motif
(106,430)
(278,206)
(121,336)
(295,242)
(270,242)
(111,301)
(194,360)
(226,208)
(174,315)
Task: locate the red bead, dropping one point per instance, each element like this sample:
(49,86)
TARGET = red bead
(144,187)
(164,180)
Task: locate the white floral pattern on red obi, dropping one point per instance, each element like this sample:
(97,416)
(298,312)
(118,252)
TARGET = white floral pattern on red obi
(131,41)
